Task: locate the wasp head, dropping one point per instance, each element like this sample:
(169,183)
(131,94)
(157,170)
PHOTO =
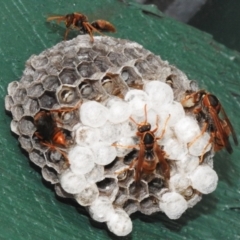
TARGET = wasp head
(210,101)
(144,127)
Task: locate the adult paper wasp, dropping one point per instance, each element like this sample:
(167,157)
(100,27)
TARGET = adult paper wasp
(48,132)
(80,22)
(208,109)
(150,153)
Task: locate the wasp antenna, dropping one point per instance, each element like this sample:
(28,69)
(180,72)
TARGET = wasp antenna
(57,18)
(145,112)
(134,121)
(165,125)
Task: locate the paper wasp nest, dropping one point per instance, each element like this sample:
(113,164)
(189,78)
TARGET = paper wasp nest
(99,87)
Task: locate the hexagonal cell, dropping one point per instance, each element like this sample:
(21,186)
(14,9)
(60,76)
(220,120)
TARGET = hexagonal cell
(87,69)
(158,169)
(88,195)
(194,199)
(115,42)
(108,187)
(130,206)
(121,197)
(20,95)
(85,88)
(56,160)
(35,90)
(26,80)
(126,178)
(156,185)
(101,49)
(138,190)
(132,53)
(189,193)
(92,90)
(29,70)
(55,63)
(12,87)
(39,62)
(60,192)
(54,70)
(178,82)
(37,144)
(38,158)
(147,71)
(86,54)
(68,95)
(114,166)
(26,126)
(117,59)
(51,83)
(50,175)
(26,143)
(170,80)
(148,177)
(142,51)
(30,106)
(56,60)
(39,75)
(113,85)
(130,157)
(193,85)
(175,82)
(14,127)
(70,59)
(102,63)
(8,102)
(17,112)
(69,76)
(133,80)
(67,119)
(149,205)
(154,60)
(48,100)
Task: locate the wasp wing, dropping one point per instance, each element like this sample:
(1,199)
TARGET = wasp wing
(222,134)
(225,118)
(140,160)
(163,162)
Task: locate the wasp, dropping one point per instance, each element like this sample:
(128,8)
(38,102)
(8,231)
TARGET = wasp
(80,22)
(150,153)
(48,131)
(208,109)
(49,134)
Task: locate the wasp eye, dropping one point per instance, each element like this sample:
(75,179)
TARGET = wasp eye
(213,100)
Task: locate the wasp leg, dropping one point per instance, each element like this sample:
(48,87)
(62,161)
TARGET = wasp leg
(164,129)
(203,152)
(197,137)
(66,33)
(52,147)
(122,146)
(163,162)
(90,30)
(157,118)
(56,18)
